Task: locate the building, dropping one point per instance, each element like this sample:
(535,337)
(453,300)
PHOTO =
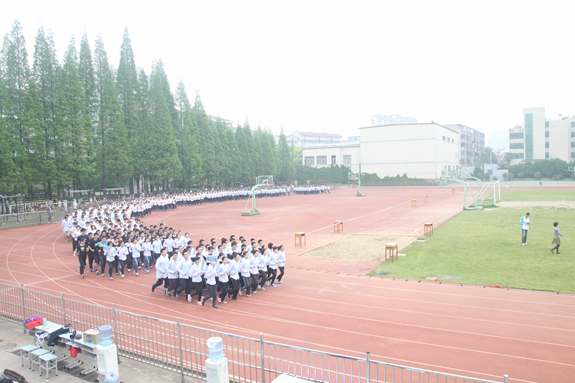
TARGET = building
(540,138)
(229,123)
(420,150)
(392,119)
(472,143)
(353,139)
(298,138)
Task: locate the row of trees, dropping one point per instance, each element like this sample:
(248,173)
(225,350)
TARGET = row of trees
(76,124)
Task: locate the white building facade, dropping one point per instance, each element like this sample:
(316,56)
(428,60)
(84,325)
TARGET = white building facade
(420,150)
(540,138)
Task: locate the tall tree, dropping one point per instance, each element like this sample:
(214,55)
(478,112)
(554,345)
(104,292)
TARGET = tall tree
(16,74)
(206,135)
(126,85)
(145,152)
(166,165)
(76,152)
(285,165)
(112,141)
(88,77)
(187,139)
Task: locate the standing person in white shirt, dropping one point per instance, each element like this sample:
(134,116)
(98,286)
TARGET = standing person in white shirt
(222,273)
(66,227)
(210,275)
(525,223)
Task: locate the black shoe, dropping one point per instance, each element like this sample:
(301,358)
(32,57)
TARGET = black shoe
(215,307)
(557,253)
(153,288)
(234,299)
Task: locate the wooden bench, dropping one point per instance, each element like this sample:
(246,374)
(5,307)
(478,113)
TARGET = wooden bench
(413,203)
(391,251)
(428,228)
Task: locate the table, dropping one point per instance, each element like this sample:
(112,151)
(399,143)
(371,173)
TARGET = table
(88,353)
(338,226)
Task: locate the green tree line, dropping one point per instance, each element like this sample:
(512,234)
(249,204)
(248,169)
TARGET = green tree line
(77,125)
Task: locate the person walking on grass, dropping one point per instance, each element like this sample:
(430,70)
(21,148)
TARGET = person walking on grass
(525,223)
(556,240)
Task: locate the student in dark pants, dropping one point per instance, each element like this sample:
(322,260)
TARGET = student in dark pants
(81,252)
(234,272)
(161,268)
(210,275)
(245,273)
(196,274)
(222,272)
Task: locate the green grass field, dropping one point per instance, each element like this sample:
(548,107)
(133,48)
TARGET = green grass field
(484,248)
(537,195)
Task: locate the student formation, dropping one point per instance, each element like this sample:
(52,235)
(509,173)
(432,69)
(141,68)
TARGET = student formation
(110,239)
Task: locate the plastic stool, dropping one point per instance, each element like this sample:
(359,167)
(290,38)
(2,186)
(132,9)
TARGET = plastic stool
(35,357)
(25,353)
(48,362)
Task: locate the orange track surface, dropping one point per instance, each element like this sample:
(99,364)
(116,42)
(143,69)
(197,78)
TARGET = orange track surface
(328,304)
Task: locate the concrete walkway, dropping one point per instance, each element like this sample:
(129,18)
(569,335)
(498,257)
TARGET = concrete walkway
(12,338)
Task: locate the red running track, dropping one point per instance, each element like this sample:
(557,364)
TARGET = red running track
(329,304)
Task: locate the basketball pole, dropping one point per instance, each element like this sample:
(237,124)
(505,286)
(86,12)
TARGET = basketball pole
(359,193)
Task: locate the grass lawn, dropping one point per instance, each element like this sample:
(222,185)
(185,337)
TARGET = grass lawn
(537,195)
(484,248)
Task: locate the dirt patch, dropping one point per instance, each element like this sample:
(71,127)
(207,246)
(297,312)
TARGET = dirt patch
(563,204)
(359,247)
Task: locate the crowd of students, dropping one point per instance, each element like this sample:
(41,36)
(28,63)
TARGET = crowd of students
(111,238)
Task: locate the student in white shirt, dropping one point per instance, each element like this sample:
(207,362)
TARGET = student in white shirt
(122,257)
(172,271)
(273,261)
(254,271)
(147,248)
(234,272)
(184,281)
(161,269)
(282,260)
(210,275)
(222,273)
(245,273)
(136,250)
(196,274)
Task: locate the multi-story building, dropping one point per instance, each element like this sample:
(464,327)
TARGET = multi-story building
(541,138)
(420,150)
(392,119)
(472,143)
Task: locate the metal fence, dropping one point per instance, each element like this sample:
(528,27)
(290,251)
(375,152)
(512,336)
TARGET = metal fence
(8,221)
(182,348)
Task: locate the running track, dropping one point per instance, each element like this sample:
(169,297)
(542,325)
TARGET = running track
(331,305)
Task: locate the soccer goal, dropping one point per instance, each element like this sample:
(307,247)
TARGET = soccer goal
(261,181)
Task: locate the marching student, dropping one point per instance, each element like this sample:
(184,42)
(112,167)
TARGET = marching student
(136,251)
(184,281)
(245,273)
(222,273)
(81,252)
(196,274)
(172,271)
(263,270)
(210,275)
(161,271)
(234,272)
(273,260)
(282,261)
(157,248)
(110,258)
(147,248)
(122,257)
(254,272)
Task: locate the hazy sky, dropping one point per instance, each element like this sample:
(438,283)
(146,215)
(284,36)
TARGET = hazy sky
(328,66)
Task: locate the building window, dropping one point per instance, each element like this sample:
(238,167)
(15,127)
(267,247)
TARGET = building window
(547,145)
(516,156)
(518,145)
(546,154)
(310,161)
(572,134)
(347,160)
(546,124)
(463,152)
(333,160)
(443,138)
(515,136)
(572,154)
(573,144)
(322,160)
(547,134)
(573,124)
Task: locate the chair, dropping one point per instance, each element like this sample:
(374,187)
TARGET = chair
(391,251)
(25,353)
(48,362)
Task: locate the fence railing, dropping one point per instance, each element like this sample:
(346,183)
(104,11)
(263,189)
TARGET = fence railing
(182,348)
(8,221)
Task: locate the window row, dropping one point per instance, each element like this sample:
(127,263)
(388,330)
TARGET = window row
(322,160)
(515,136)
(518,145)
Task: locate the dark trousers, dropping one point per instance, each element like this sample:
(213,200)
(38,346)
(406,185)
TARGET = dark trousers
(110,268)
(185,285)
(281,273)
(82,260)
(91,259)
(212,293)
(121,264)
(173,284)
(273,276)
(198,290)
(247,284)
(263,278)
(160,282)
(235,288)
(224,290)
(255,279)
(524,235)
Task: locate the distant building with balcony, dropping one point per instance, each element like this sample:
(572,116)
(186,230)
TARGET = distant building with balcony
(298,138)
(472,143)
